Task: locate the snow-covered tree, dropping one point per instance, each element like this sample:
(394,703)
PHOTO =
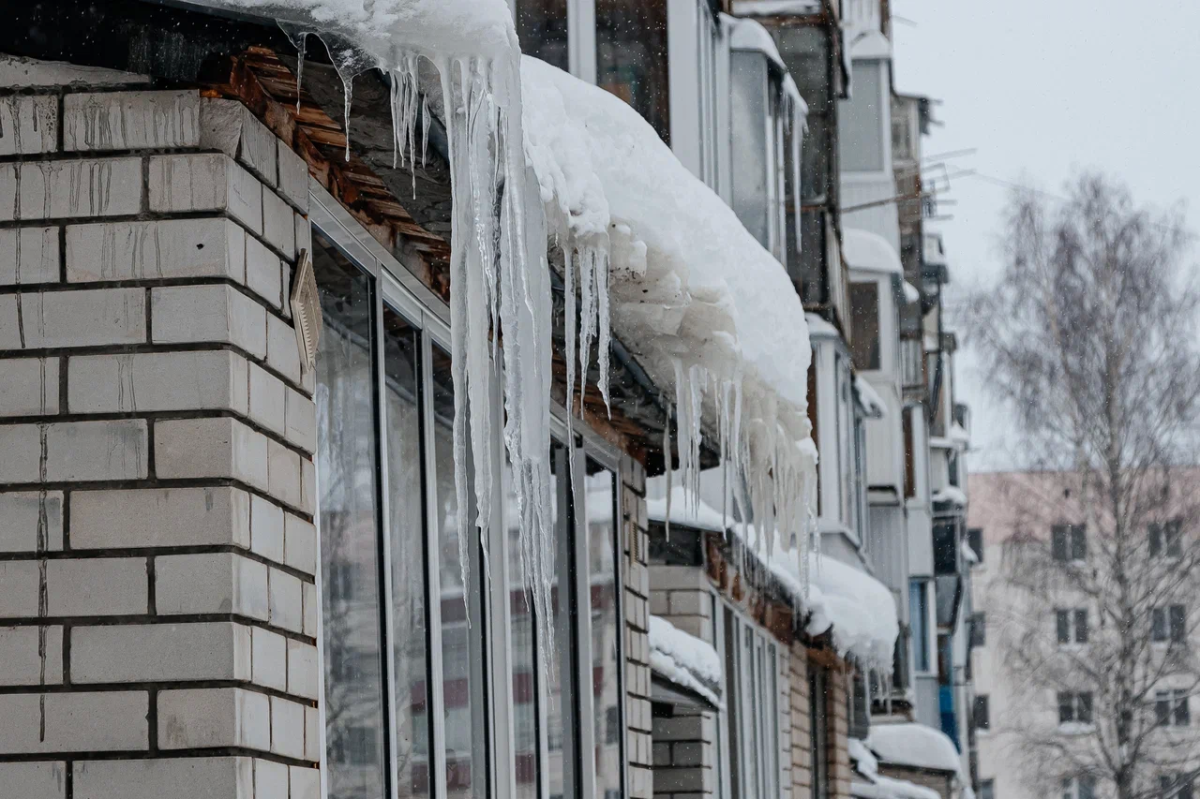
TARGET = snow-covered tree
(1090,338)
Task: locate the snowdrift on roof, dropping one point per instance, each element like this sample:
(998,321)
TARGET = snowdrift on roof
(914,746)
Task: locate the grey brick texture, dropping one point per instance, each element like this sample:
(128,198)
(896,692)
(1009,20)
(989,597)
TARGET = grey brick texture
(158,606)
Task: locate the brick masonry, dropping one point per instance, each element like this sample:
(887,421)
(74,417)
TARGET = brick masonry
(157,551)
(636,544)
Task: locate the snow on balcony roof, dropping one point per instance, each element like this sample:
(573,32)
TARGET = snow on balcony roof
(437,28)
(871,401)
(959,435)
(749,34)
(969,555)
(911,292)
(951,494)
(889,788)
(870,251)
(856,609)
(771,8)
(701,304)
(914,746)
(870,44)
(685,660)
(686,510)
(819,327)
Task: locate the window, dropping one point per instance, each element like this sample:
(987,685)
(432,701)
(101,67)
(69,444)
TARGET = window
(1071,626)
(861,120)
(1068,542)
(980,713)
(752,163)
(1171,708)
(1165,539)
(542,31)
(978,629)
(631,57)
(607,626)
(1075,707)
(1168,624)
(987,789)
(975,541)
(818,724)
(752,659)
(918,619)
(1081,787)
(846,443)
(347,452)
(388,520)
(1175,786)
(864,315)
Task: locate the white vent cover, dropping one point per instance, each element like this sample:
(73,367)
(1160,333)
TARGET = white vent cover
(306,311)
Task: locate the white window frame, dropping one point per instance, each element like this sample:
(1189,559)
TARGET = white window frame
(694,34)
(399,289)
(581,37)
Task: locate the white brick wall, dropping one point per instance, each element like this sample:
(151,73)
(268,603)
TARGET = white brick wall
(156,431)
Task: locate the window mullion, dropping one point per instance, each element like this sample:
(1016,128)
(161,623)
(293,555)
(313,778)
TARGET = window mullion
(385,543)
(584,718)
(433,664)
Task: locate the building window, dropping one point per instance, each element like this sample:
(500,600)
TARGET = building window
(349,518)
(1171,708)
(631,57)
(1075,707)
(1080,787)
(542,31)
(818,714)
(388,528)
(978,629)
(753,660)
(1175,786)
(975,541)
(980,713)
(861,120)
(1068,542)
(864,315)
(607,626)
(1165,539)
(1071,625)
(1168,624)
(987,789)
(918,619)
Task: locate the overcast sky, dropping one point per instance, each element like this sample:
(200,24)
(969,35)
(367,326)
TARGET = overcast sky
(1045,89)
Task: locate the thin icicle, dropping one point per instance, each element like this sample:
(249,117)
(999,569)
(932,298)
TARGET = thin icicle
(667,465)
(302,49)
(603,324)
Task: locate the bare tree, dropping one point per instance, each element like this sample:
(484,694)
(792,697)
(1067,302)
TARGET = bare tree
(1090,338)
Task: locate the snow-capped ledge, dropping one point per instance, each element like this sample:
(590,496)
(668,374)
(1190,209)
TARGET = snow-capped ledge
(685,660)
(915,745)
(700,303)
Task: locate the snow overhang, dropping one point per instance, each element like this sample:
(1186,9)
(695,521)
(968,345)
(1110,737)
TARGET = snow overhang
(916,746)
(872,404)
(688,662)
(748,35)
(869,45)
(776,8)
(870,252)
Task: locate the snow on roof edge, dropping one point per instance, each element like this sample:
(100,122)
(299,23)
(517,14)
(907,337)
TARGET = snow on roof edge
(749,34)
(685,660)
(872,403)
(915,745)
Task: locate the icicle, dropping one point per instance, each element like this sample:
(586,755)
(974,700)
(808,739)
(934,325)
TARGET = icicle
(603,323)
(570,256)
(587,315)
(667,464)
(302,49)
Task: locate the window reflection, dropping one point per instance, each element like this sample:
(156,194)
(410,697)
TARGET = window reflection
(346,450)
(462,644)
(606,628)
(561,685)
(631,57)
(524,652)
(401,362)
(542,30)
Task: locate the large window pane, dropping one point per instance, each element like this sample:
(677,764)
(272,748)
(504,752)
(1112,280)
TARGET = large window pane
(542,30)
(346,453)
(401,360)
(631,57)
(524,653)
(561,685)
(606,628)
(860,120)
(462,643)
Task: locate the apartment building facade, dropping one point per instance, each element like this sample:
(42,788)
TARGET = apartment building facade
(231,561)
